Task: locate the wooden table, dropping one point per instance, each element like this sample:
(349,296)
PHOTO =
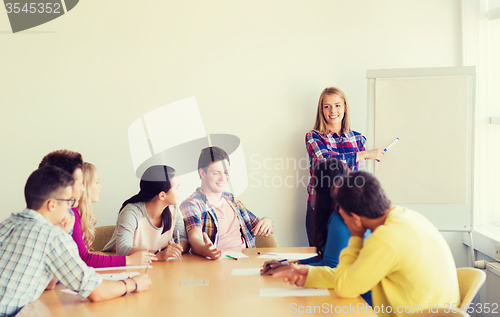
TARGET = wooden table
(226,295)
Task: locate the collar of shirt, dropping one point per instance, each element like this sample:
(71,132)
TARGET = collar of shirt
(227,195)
(32,214)
(343,134)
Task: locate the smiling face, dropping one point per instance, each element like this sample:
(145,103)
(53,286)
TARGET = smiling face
(333,110)
(216,177)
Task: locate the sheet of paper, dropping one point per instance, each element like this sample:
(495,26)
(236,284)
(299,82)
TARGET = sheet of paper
(246,271)
(117,268)
(297,291)
(194,282)
(119,276)
(288,256)
(67,290)
(234,254)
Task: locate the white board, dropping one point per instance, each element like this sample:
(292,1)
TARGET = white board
(430,169)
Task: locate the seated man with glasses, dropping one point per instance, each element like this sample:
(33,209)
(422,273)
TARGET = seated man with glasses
(33,250)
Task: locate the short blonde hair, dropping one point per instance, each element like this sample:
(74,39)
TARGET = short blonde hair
(320,124)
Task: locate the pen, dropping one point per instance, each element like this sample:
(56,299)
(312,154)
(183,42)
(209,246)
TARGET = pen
(147,267)
(269,264)
(266,253)
(387,148)
(231,257)
(157,251)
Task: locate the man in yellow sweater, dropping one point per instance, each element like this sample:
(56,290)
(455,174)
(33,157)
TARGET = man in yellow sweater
(405,261)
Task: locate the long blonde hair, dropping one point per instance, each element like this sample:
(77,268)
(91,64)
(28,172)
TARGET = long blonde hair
(320,125)
(88,219)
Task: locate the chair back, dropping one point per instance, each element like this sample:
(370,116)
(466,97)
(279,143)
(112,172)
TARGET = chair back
(102,236)
(469,282)
(266,242)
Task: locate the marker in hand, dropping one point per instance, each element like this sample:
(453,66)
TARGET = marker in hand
(393,142)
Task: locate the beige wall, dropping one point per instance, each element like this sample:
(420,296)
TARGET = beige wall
(255,67)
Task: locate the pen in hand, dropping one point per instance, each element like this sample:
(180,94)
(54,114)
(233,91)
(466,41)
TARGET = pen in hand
(269,266)
(280,261)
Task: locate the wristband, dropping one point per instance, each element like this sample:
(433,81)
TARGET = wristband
(124,283)
(135,286)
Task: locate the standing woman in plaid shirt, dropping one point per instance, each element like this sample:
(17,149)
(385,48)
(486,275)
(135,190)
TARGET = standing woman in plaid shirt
(332,137)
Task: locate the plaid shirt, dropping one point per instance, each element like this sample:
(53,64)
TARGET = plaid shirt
(323,146)
(32,252)
(198,212)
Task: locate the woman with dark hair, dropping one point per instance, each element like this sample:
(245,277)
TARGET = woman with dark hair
(331,234)
(149,220)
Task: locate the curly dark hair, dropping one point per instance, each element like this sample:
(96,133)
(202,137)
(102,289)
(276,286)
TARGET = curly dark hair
(64,159)
(361,193)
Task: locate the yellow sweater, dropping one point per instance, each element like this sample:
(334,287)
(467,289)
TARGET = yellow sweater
(405,262)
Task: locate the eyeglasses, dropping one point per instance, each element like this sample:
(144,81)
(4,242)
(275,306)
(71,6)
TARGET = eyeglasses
(71,201)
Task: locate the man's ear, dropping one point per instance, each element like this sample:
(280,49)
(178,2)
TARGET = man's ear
(357,219)
(201,172)
(51,204)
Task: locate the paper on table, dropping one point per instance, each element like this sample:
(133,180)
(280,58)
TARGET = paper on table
(288,256)
(119,276)
(194,282)
(298,291)
(67,290)
(234,254)
(117,268)
(246,271)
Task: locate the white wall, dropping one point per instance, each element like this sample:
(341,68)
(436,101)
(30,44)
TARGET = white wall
(255,67)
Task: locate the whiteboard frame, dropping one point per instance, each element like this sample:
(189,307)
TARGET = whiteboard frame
(446,217)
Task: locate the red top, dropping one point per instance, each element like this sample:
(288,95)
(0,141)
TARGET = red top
(93,260)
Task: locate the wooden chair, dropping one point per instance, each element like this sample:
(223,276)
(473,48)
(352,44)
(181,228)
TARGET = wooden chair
(266,242)
(102,236)
(469,282)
